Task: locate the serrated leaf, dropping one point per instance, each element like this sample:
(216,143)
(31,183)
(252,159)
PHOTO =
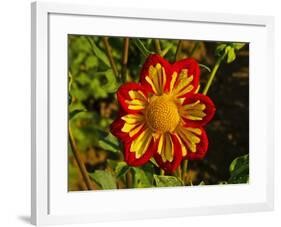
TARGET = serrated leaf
(167,181)
(104,179)
(110,143)
(239,170)
(121,169)
(99,53)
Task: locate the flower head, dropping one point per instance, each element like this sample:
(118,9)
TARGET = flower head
(163,116)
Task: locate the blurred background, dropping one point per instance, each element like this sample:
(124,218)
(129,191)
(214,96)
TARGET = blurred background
(93,83)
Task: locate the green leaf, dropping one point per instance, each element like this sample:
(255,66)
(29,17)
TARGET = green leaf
(231,55)
(91,62)
(142,47)
(205,67)
(202,183)
(141,178)
(89,133)
(167,181)
(97,89)
(73,113)
(73,175)
(166,50)
(112,163)
(83,79)
(121,169)
(239,170)
(219,49)
(152,160)
(104,83)
(228,49)
(70,80)
(104,179)
(99,53)
(110,143)
(238,46)
(238,162)
(111,84)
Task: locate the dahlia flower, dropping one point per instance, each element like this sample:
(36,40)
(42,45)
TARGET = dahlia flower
(163,116)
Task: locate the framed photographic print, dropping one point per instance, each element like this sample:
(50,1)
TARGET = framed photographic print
(148,113)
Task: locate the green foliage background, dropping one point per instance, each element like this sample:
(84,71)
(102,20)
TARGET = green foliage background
(93,107)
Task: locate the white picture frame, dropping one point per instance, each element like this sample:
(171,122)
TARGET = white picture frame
(50,202)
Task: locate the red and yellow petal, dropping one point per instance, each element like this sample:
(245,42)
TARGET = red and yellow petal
(127,127)
(197,110)
(132,97)
(169,153)
(201,148)
(141,149)
(154,74)
(180,78)
(193,141)
(181,83)
(185,77)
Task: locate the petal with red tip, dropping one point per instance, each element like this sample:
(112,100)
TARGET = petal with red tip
(193,141)
(169,166)
(197,110)
(132,97)
(117,128)
(147,151)
(201,148)
(189,70)
(154,74)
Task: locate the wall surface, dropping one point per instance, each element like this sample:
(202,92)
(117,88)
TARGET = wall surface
(15,112)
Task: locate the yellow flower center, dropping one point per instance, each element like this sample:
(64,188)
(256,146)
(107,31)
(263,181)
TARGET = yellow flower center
(162,114)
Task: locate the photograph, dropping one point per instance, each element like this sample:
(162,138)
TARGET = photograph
(154,112)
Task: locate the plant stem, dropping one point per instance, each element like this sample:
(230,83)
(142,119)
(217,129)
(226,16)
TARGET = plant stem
(129,179)
(79,161)
(213,73)
(196,45)
(125,59)
(157,46)
(179,172)
(139,44)
(162,172)
(109,55)
(178,50)
(184,169)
